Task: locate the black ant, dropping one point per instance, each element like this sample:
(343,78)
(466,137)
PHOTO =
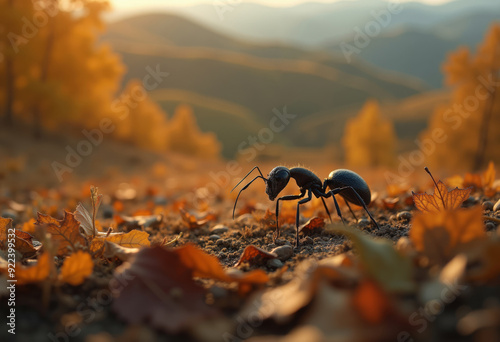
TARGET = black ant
(346,183)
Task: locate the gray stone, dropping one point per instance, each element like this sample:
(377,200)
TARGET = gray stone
(487,205)
(214,237)
(274,263)
(363,222)
(219,229)
(284,252)
(404,216)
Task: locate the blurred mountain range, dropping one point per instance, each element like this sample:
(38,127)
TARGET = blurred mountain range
(235,71)
(414,42)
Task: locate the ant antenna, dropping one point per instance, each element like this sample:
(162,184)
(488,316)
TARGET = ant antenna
(255,167)
(246,186)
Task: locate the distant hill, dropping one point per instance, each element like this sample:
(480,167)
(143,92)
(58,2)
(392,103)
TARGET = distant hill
(239,83)
(421,53)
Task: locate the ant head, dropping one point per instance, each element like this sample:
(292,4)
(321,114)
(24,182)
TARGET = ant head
(277,180)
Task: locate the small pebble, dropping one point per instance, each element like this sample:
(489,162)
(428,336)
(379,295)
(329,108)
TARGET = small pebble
(160,200)
(470,201)
(245,218)
(404,216)
(8,213)
(107,211)
(496,206)
(393,218)
(490,226)
(487,205)
(219,229)
(214,237)
(274,263)
(284,252)
(363,222)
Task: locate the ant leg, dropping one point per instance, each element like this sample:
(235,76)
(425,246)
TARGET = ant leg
(338,190)
(326,208)
(239,193)
(323,195)
(305,200)
(284,198)
(352,212)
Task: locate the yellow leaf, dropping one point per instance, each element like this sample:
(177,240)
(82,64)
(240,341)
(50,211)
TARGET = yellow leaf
(442,199)
(132,239)
(76,268)
(34,274)
(440,235)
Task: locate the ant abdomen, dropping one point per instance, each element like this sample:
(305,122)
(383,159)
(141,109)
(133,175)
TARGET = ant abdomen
(342,178)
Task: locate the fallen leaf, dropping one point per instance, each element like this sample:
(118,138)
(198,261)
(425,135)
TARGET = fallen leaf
(113,250)
(488,176)
(137,222)
(483,265)
(83,216)
(440,235)
(392,270)
(160,290)
(205,265)
(390,203)
(371,302)
(313,226)
(29,226)
(65,233)
(255,256)
(442,199)
(132,239)
(193,222)
(36,273)
(23,240)
(76,268)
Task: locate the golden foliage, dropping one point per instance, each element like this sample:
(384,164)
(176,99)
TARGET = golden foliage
(464,121)
(369,139)
(441,199)
(185,137)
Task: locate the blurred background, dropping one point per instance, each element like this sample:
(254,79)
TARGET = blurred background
(103,87)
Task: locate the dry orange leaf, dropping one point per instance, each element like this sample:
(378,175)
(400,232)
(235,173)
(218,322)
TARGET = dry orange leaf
(159,289)
(76,268)
(205,265)
(113,250)
(440,235)
(483,265)
(23,240)
(132,239)
(390,203)
(65,233)
(442,199)
(29,226)
(193,222)
(255,256)
(371,302)
(34,274)
(314,225)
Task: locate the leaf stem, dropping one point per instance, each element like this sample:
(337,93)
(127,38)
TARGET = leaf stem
(437,187)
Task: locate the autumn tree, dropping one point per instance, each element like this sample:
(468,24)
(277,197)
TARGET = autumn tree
(369,139)
(62,77)
(470,122)
(184,136)
(139,120)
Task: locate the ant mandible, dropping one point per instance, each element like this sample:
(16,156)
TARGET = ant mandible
(346,183)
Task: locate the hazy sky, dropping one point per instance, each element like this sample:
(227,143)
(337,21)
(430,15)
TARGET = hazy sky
(130,4)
